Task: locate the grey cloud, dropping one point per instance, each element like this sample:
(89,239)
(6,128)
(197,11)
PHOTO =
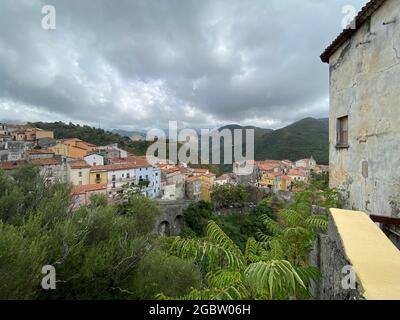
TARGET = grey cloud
(141,63)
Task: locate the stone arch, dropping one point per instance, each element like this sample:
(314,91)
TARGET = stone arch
(164,229)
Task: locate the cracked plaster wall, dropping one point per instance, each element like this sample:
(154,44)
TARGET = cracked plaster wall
(365,86)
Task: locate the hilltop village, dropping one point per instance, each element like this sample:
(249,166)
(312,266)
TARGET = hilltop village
(111,171)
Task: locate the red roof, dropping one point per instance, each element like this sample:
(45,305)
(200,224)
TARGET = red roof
(140,162)
(200,170)
(276,174)
(89,188)
(294,172)
(114,167)
(40,151)
(79,164)
(45,162)
(9,165)
(193,178)
(172,170)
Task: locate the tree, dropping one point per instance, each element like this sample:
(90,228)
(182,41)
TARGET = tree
(227,195)
(255,273)
(95,251)
(161,272)
(197,215)
(143,213)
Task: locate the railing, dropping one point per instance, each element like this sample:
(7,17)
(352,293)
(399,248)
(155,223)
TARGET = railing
(390,226)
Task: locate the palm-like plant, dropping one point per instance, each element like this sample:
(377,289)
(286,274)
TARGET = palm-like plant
(260,272)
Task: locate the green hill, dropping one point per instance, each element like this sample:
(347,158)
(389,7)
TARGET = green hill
(299,140)
(93,135)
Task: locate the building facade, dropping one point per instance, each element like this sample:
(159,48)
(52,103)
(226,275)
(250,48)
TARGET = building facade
(364,134)
(94,159)
(78,172)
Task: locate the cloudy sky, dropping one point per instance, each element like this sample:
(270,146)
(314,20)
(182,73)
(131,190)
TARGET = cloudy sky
(136,64)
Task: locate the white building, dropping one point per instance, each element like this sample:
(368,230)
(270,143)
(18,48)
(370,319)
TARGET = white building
(119,176)
(150,178)
(306,163)
(94,159)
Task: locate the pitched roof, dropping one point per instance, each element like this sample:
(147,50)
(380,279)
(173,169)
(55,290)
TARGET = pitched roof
(276,174)
(224,177)
(293,172)
(171,170)
(78,164)
(9,165)
(193,178)
(45,162)
(40,151)
(114,167)
(89,187)
(365,13)
(140,162)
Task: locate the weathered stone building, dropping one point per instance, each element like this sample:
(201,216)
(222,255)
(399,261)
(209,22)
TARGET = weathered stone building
(364,117)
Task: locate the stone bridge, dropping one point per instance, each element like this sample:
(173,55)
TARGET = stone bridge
(171,221)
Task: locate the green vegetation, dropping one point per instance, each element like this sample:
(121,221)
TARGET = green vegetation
(229,196)
(299,140)
(93,135)
(108,252)
(99,252)
(196,218)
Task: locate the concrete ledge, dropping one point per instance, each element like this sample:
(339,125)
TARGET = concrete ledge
(372,255)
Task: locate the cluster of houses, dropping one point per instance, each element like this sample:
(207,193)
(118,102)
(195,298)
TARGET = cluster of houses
(280,175)
(106,170)
(111,171)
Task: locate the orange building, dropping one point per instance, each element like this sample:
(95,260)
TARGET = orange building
(73,148)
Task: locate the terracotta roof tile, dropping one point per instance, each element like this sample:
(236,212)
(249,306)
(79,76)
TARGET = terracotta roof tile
(114,167)
(40,151)
(9,165)
(78,164)
(45,162)
(89,188)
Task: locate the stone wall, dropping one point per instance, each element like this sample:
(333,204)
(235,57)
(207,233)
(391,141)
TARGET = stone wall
(364,85)
(171,220)
(328,255)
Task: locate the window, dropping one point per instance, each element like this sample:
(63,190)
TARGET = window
(80,174)
(128,175)
(342,132)
(113,177)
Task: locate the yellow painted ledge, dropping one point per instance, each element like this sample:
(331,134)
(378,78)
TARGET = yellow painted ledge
(373,256)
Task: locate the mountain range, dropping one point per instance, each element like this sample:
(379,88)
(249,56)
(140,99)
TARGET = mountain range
(305,138)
